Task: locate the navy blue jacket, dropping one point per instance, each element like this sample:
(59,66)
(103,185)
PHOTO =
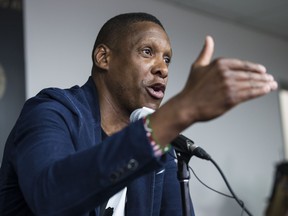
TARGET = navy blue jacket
(56,162)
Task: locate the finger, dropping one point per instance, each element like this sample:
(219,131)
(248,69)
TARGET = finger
(254,92)
(248,80)
(252,85)
(237,64)
(245,90)
(248,76)
(206,53)
(246,93)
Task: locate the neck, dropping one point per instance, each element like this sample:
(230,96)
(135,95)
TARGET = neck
(113,118)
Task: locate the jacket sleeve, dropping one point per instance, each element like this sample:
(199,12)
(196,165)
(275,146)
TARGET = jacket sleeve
(57,177)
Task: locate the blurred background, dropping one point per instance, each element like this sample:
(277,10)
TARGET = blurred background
(49,43)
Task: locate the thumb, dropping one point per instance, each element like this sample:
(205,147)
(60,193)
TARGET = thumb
(206,53)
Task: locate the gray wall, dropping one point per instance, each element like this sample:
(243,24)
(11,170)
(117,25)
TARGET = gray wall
(246,142)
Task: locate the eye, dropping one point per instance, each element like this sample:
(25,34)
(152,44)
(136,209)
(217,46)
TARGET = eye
(147,51)
(167,59)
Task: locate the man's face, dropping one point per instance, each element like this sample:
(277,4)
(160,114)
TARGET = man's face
(138,68)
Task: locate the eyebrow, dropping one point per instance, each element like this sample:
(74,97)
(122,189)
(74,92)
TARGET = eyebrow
(149,42)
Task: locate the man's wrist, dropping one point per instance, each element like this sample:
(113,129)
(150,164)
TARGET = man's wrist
(158,149)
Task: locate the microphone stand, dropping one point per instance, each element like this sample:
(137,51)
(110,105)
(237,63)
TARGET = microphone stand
(181,146)
(185,149)
(183,177)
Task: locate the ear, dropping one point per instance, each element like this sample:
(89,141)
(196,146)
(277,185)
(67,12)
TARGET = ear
(101,56)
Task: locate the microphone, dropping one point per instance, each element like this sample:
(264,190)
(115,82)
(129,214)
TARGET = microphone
(180,143)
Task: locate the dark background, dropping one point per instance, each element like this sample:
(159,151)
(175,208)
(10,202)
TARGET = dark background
(12,61)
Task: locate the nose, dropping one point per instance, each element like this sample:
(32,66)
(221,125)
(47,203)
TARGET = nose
(160,68)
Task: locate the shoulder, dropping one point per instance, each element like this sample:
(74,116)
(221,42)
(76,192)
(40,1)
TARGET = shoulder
(56,99)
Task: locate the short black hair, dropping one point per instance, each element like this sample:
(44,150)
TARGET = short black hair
(118,25)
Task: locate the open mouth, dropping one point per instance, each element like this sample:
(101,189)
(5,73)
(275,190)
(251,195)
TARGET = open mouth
(156,91)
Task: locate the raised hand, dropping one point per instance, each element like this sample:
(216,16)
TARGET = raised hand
(213,87)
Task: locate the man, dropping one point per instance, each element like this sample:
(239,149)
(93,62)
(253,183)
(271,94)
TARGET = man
(72,150)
